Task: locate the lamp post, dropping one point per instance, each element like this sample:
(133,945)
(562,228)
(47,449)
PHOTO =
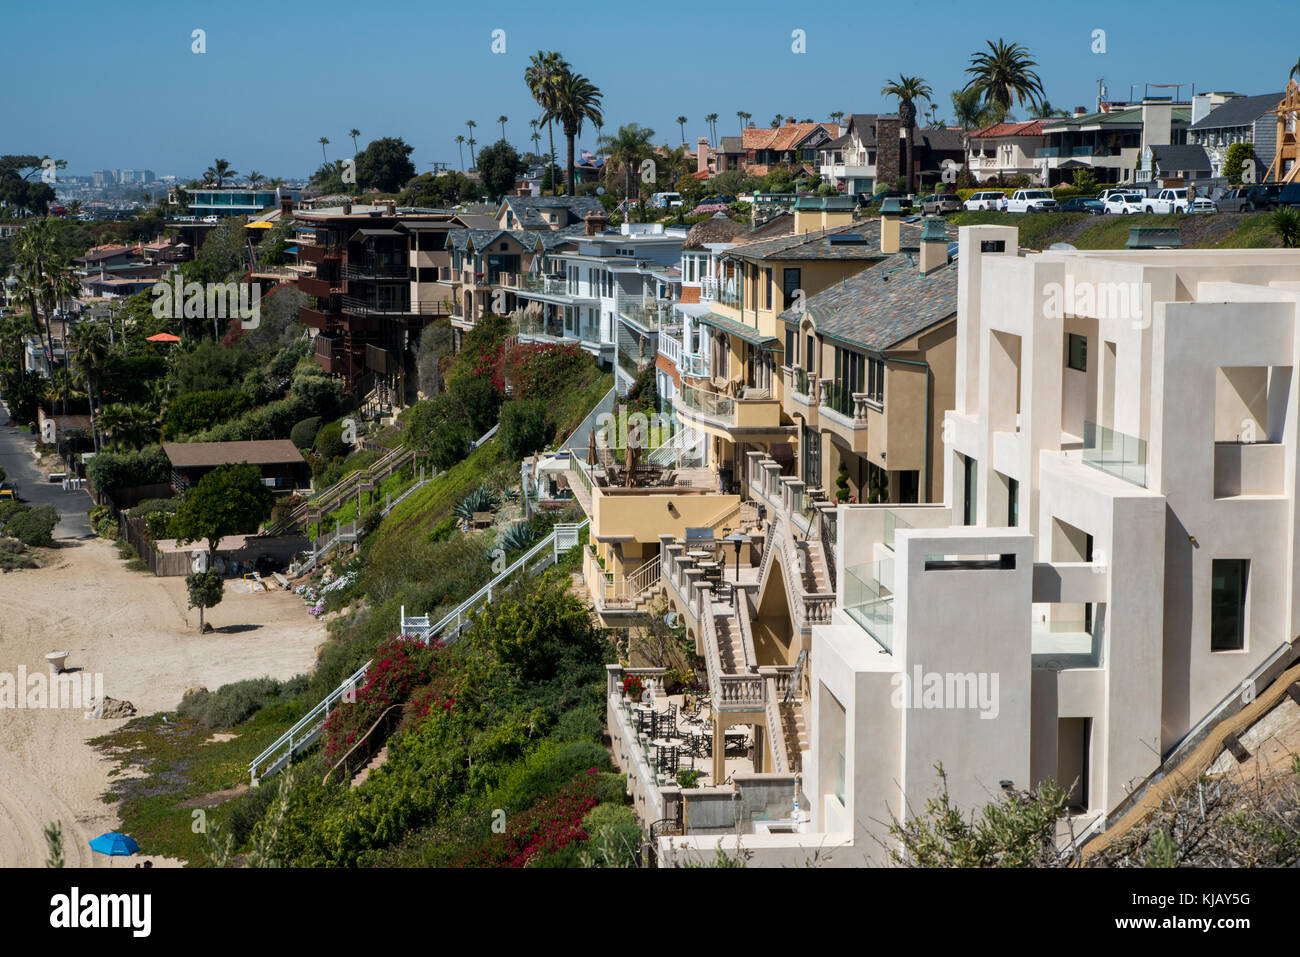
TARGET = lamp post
(737,539)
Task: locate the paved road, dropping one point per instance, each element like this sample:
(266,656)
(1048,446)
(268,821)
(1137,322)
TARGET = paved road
(20,465)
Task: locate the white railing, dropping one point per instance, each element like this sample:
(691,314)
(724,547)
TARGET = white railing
(670,348)
(285,747)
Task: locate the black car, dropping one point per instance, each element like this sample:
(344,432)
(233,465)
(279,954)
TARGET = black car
(1083,204)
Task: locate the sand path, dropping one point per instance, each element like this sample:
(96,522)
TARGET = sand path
(135,630)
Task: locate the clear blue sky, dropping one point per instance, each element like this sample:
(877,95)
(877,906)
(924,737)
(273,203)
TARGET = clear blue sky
(116,84)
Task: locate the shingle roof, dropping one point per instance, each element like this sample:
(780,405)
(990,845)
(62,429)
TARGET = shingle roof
(784,137)
(818,245)
(1239,111)
(462,239)
(262,452)
(879,308)
(865,124)
(941,139)
(1130,116)
(731,144)
(739,329)
(1180,157)
(527,209)
(1029,128)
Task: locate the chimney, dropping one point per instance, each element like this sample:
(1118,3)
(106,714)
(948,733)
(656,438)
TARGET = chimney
(789,121)
(392,207)
(891,216)
(1080,111)
(286,206)
(702,155)
(594,223)
(934,246)
(347,207)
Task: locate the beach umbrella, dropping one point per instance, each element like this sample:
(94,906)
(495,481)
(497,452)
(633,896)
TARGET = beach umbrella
(164,337)
(114,844)
(592,457)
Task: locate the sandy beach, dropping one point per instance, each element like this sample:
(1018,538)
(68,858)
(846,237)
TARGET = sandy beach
(135,630)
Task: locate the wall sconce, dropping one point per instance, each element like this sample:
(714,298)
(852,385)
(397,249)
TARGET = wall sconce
(1192,539)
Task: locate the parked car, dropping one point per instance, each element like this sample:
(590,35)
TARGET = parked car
(1203,204)
(1123,203)
(666,200)
(1278,194)
(987,200)
(937,204)
(1110,191)
(1083,204)
(1032,201)
(1237,199)
(1173,201)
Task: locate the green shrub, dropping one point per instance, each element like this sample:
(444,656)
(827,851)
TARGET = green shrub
(113,470)
(524,428)
(614,836)
(197,411)
(33,526)
(579,724)
(230,704)
(13,555)
(481,499)
(303,435)
(329,442)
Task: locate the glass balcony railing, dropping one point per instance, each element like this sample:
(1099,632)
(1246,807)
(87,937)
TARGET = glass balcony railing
(1121,455)
(892,524)
(870,602)
(696,367)
(801,381)
(836,396)
(707,403)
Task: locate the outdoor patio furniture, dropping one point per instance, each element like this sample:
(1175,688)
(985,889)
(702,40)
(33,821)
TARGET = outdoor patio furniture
(667,759)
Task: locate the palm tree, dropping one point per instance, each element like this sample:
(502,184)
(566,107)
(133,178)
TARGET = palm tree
(628,148)
(37,261)
(837,115)
(324,142)
(776,121)
(91,350)
(254,178)
(744,118)
(1286,223)
(712,120)
(543,72)
(681,125)
(1004,74)
(220,171)
(473,163)
(536,137)
(460,148)
(1295,70)
(354,133)
(970,111)
(907,89)
(575,100)
(1045,111)
(502,120)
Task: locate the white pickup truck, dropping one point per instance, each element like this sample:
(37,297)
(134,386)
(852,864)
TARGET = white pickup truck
(1032,201)
(1167,201)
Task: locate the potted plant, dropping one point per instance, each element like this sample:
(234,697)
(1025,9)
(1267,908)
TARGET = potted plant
(633,687)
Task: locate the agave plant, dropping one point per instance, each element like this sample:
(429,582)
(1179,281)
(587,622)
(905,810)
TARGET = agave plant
(517,536)
(481,499)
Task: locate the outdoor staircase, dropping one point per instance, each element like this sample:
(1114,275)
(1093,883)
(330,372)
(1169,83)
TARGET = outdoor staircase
(731,653)
(374,762)
(794,732)
(307,730)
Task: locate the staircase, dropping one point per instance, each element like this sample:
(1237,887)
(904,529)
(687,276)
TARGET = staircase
(307,730)
(794,733)
(731,652)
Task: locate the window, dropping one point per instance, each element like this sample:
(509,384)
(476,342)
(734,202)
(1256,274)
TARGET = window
(810,356)
(1077,352)
(1229,577)
(1013,503)
(767,275)
(876,380)
(970,481)
(790,281)
(790,340)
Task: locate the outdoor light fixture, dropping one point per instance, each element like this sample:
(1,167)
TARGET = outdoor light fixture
(737,538)
(1005,784)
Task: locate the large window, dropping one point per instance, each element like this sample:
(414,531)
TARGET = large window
(1229,577)
(791,280)
(1077,357)
(876,380)
(767,279)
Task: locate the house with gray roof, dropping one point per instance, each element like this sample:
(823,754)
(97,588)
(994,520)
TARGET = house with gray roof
(1237,119)
(546,212)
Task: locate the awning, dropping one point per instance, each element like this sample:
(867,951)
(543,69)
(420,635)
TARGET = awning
(261,225)
(738,329)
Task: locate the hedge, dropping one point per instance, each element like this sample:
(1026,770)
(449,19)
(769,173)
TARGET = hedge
(110,470)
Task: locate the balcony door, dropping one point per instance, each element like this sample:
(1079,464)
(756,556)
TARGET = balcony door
(811,440)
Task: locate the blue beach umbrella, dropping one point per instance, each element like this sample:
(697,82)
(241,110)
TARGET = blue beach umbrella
(114,845)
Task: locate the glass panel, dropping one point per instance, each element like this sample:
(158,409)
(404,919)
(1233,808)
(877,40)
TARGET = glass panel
(1121,455)
(870,602)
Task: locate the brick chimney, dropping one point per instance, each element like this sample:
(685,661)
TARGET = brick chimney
(789,121)
(286,205)
(594,223)
(702,155)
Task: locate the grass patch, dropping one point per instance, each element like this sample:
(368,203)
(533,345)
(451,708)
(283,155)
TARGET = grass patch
(1084,231)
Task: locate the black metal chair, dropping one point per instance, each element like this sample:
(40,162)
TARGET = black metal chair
(667,760)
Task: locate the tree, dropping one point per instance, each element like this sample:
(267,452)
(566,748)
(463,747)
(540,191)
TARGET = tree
(907,89)
(205,590)
(627,149)
(324,142)
(574,100)
(1235,161)
(460,148)
(744,118)
(524,428)
(544,69)
(503,119)
(1045,111)
(499,166)
(385,165)
(354,133)
(1004,74)
(712,120)
(90,351)
(969,110)
(842,483)
(1295,70)
(254,178)
(681,125)
(229,500)
(1085,180)
(473,163)
(220,171)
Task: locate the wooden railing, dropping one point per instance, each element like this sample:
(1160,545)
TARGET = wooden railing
(359,755)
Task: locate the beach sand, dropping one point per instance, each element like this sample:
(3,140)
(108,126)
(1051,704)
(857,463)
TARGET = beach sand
(133,628)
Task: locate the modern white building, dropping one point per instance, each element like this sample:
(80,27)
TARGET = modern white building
(1115,564)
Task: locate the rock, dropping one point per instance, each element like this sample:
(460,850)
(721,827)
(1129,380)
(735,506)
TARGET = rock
(207,628)
(189,691)
(112,708)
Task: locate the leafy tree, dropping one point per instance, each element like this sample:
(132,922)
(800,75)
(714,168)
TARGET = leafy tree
(329,442)
(385,165)
(524,428)
(499,166)
(444,189)
(229,500)
(196,411)
(205,590)
(842,484)
(1085,180)
(1235,161)
(627,149)
(478,399)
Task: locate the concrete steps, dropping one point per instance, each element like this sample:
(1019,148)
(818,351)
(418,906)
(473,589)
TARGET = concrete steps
(730,653)
(380,757)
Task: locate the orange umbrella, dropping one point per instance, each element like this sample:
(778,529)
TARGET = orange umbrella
(164,337)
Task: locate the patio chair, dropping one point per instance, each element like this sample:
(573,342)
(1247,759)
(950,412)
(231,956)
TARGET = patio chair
(667,760)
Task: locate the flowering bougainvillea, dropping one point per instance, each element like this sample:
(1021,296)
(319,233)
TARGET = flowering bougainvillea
(540,371)
(548,826)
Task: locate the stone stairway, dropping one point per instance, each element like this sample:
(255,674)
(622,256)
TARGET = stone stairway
(730,651)
(380,757)
(815,579)
(795,732)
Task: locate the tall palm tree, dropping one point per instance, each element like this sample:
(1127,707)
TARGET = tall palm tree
(776,121)
(220,171)
(628,148)
(91,349)
(1295,70)
(543,72)
(37,261)
(536,137)
(460,148)
(473,163)
(837,115)
(744,118)
(1045,111)
(1005,74)
(502,120)
(324,142)
(354,133)
(576,100)
(907,89)
(712,120)
(254,178)
(681,125)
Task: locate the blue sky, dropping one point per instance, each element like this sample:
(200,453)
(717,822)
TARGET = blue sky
(116,85)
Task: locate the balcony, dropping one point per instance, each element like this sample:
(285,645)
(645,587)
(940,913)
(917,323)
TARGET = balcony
(869,600)
(632,364)
(322,288)
(844,413)
(313,317)
(360,307)
(670,346)
(376,269)
(1249,469)
(317,254)
(1123,456)
(1061,644)
(646,313)
(694,367)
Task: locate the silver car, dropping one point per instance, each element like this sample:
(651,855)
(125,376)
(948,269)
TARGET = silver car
(940,203)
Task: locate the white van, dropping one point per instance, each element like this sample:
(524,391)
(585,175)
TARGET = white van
(666,200)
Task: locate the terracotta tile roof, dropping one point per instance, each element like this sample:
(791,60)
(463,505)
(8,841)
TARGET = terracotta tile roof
(1030,128)
(784,137)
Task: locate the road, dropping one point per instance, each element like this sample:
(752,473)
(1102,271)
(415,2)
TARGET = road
(20,465)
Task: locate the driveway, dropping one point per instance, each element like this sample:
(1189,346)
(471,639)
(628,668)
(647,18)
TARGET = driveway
(20,465)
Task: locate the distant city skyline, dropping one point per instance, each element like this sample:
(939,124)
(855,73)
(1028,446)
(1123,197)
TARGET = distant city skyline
(262,97)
